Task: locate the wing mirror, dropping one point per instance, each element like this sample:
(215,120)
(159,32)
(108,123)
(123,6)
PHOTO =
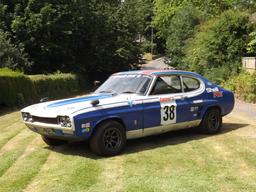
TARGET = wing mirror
(44,99)
(97,83)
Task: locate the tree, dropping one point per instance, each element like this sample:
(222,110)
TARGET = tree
(182,27)
(164,10)
(79,36)
(219,44)
(11,55)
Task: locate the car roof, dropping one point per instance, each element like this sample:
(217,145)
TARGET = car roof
(158,72)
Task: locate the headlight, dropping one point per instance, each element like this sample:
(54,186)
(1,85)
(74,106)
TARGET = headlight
(26,117)
(64,121)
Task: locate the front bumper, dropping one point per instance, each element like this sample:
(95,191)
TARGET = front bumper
(51,130)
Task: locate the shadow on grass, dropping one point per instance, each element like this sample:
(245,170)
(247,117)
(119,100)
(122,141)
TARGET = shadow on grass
(146,143)
(7,110)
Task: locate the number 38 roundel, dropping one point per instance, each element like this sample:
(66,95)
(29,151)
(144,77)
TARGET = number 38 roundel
(168,112)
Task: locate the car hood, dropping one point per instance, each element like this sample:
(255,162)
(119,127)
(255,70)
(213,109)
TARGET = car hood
(74,105)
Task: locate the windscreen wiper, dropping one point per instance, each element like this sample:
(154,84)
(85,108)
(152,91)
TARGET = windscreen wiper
(128,92)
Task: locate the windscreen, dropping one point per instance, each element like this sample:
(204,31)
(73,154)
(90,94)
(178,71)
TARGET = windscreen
(125,84)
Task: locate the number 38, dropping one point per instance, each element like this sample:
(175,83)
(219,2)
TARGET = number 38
(169,112)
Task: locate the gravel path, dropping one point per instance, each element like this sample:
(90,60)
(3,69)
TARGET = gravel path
(247,109)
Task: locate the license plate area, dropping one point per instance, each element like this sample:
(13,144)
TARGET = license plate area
(44,131)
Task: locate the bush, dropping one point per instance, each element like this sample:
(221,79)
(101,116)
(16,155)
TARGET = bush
(18,89)
(244,86)
(14,86)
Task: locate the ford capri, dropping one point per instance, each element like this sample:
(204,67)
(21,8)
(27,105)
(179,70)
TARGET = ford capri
(131,105)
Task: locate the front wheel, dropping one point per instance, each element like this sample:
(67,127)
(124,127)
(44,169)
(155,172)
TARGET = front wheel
(212,121)
(109,139)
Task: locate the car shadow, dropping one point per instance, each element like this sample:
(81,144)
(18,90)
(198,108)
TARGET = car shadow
(146,143)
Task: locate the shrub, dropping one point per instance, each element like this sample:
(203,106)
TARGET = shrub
(14,86)
(54,86)
(244,86)
(18,89)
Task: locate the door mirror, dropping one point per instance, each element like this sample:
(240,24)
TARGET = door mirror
(97,83)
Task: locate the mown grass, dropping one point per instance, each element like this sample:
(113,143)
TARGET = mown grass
(181,161)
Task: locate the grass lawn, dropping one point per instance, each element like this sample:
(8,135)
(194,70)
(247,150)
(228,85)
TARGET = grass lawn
(177,161)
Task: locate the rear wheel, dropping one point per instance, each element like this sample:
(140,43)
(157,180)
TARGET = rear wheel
(212,121)
(53,142)
(109,139)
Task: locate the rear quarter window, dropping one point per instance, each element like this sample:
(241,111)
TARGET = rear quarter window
(190,83)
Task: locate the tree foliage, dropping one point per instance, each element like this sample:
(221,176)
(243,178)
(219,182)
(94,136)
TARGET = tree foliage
(164,10)
(220,43)
(251,46)
(182,27)
(11,55)
(77,35)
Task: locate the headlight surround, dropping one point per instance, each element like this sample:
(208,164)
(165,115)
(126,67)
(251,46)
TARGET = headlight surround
(26,117)
(64,121)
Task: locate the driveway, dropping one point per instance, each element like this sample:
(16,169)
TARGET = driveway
(155,64)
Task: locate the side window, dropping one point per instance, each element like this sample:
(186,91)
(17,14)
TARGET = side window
(167,85)
(190,84)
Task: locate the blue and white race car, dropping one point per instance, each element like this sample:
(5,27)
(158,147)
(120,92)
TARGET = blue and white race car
(131,105)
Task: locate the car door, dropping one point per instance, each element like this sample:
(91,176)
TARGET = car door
(165,106)
(193,89)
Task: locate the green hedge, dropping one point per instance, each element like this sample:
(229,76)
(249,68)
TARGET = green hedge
(244,86)
(17,89)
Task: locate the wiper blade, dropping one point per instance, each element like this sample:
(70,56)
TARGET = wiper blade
(106,92)
(111,92)
(128,92)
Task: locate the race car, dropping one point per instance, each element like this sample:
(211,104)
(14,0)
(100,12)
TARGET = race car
(131,105)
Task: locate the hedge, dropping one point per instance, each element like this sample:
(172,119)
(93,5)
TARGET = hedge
(17,89)
(244,86)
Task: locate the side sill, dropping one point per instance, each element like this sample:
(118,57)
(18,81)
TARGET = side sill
(161,129)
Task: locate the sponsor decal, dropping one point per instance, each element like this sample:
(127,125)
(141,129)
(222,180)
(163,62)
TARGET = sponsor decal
(86,127)
(167,99)
(217,94)
(130,102)
(215,91)
(193,109)
(211,90)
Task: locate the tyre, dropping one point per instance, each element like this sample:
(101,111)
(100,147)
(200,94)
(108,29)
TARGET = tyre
(109,139)
(212,121)
(53,142)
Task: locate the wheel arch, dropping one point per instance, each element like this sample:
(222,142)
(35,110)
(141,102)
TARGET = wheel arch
(215,106)
(112,118)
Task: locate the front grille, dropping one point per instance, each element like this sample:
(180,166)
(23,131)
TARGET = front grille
(45,120)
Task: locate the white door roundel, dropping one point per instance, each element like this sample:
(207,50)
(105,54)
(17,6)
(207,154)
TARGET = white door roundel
(168,112)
